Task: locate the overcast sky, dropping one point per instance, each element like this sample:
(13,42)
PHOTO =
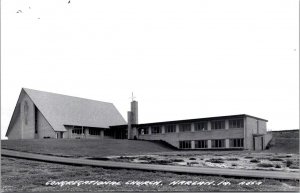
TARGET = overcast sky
(182,59)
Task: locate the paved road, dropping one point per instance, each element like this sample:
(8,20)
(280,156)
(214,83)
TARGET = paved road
(165,168)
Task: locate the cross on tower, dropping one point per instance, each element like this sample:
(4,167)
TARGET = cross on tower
(132,97)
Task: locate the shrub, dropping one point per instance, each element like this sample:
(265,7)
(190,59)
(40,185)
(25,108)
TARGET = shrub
(162,162)
(254,161)
(275,159)
(213,160)
(265,165)
(193,162)
(192,158)
(177,160)
(147,158)
(233,164)
(294,167)
(289,163)
(248,157)
(232,159)
(277,166)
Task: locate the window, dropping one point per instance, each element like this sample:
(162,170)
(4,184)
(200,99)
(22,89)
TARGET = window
(201,144)
(201,126)
(236,123)
(93,131)
(143,130)
(218,143)
(170,128)
(77,131)
(155,129)
(218,125)
(236,142)
(146,130)
(185,144)
(184,127)
(36,120)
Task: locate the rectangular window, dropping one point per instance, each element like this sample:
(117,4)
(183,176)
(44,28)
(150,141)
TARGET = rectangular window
(218,143)
(170,128)
(36,120)
(218,125)
(236,123)
(184,127)
(93,131)
(236,142)
(143,130)
(77,131)
(185,144)
(201,144)
(146,130)
(201,126)
(155,129)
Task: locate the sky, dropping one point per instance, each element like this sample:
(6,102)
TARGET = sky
(181,59)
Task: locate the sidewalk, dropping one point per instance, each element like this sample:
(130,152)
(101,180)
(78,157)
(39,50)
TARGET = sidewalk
(151,167)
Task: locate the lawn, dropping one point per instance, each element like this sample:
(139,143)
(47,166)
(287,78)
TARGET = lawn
(85,147)
(24,175)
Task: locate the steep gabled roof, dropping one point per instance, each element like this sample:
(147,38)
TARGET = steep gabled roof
(60,110)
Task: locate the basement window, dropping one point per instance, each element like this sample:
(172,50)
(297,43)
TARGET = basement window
(236,142)
(201,144)
(218,143)
(185,144)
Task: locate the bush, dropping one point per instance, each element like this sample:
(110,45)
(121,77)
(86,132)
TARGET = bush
(177,160)
(289,163)
(194,163)
(275,159)
(192,158)
(277,166)
(213,160)
(233,164)
(232,159)
(265,165)
(254,161)
(294,167)
(248,157)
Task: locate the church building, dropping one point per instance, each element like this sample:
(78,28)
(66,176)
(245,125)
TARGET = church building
(40,115)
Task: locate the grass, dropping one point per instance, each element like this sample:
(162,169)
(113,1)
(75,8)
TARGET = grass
(35,174)
(85,147)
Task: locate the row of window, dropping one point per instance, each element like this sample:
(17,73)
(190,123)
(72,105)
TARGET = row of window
(215,143)
(91,131)
(201,126)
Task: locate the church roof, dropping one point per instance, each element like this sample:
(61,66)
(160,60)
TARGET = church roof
(60,110)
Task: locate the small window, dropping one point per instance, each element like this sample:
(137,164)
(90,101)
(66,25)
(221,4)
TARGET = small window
(77,131)
(155,129)
(170,128)
(146,130)
(185,144)
(217,125)
(202,126)
(236,142)
(94,131)
(201,144)
(236,123)
(218,143)
(36,120)
(184,127)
